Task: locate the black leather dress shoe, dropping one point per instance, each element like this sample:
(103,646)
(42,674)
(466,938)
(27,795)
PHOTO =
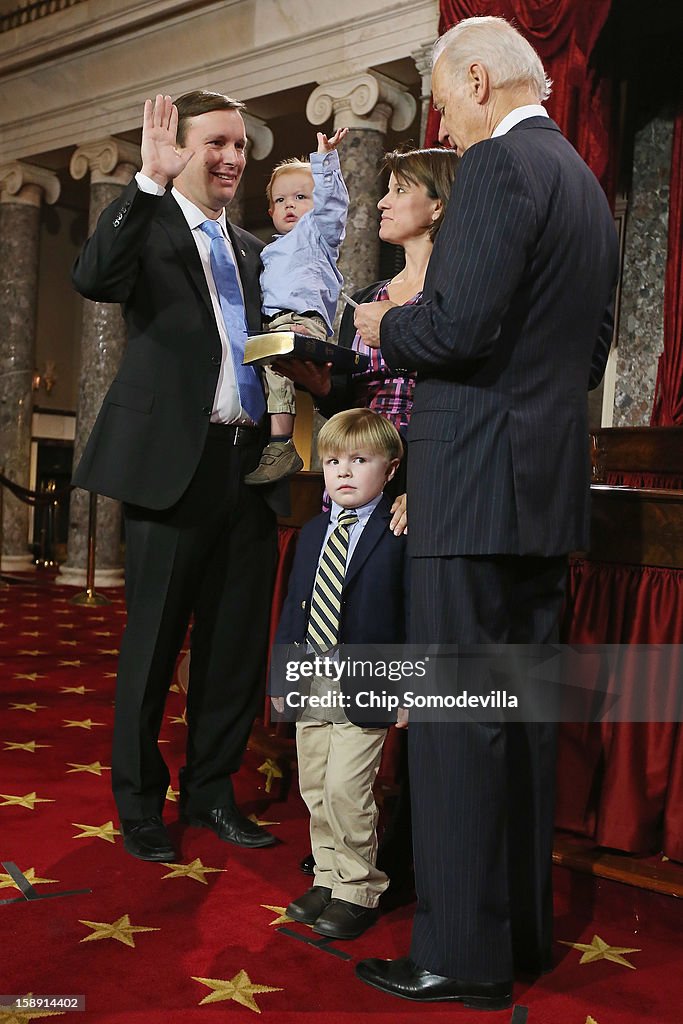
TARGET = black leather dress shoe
(405,979)
(309,907)
(230,826)
(307,865)
(147,839)
(343,920)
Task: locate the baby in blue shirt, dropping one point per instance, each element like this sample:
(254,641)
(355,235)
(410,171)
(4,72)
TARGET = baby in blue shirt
(308,203)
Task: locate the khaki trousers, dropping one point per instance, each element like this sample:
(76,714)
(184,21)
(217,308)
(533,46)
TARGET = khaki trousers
(338,764)
(280,390)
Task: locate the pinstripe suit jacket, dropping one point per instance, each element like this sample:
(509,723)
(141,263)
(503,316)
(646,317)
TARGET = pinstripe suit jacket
(514,325)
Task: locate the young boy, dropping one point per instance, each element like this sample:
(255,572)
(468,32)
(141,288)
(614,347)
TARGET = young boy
(308,204)
(338,760)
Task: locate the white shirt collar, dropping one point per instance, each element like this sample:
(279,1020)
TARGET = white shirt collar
(517,115)
(363,512)
(193,215)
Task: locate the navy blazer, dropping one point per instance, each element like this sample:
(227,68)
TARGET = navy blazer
(149,435)
(374,600)
(514,326)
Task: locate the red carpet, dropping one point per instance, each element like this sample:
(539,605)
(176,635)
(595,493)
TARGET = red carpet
(203,940)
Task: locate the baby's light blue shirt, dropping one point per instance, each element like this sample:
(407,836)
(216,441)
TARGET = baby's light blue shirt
(300,268)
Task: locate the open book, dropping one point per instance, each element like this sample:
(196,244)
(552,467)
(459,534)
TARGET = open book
(264,348)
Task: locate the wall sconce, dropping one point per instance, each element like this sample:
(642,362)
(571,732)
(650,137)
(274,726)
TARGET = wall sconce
(47,379)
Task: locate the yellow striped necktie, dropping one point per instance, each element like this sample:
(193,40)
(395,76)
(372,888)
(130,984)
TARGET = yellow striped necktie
(325,614)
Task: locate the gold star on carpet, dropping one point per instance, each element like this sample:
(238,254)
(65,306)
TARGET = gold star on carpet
(590,1020)
(31,746)
(195,869)
(261,821)
(239,988)
(68,643)
(172,794)
(270,769)
(281,911)
(32,632)
(21,1016)
(31,654)
(66,625)
(598,949)
(174,720)
(106,831)
(87,723)
(28,800)
(93,769)
(28,675)
(110,675)
(103,632)
(113,650)
(31,618)
(27,707)
(6,881)
(74,664)
(76,689)
(121,930)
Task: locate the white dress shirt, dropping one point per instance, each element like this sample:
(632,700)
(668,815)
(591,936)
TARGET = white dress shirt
(226,406)
(517,115)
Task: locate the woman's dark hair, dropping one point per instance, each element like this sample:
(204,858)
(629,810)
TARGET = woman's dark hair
(434,169)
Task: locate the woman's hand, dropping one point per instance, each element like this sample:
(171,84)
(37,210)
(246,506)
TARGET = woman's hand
(367,318)
(315,378)
(399,515)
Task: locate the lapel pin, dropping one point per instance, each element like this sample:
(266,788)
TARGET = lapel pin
(242,252)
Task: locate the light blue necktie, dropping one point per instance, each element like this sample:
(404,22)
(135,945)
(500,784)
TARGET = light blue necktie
(232,307)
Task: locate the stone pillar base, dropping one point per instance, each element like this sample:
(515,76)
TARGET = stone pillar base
(70,576)
(17,563)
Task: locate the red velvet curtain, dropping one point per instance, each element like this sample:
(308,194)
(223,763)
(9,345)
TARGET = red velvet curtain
(564,33)
(622,784)
(668,403)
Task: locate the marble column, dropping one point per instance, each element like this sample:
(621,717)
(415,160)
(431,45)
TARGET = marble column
(367,104)
(23,188)
(259,145)
(641,321)
(423,62)
(111,163)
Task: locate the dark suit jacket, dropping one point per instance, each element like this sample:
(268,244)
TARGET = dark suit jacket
(150,432)
(511,330)
(374,602)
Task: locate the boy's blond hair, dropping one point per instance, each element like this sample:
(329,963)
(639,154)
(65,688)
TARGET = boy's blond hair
(360,428)
(292,163)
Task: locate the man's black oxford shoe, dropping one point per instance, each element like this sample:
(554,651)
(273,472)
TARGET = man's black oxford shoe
(343,920)
(309,907)
(230,826)
(147,839)
(405,979)
(307,865)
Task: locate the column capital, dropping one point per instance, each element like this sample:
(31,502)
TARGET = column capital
(27,185)
(259,135)
(422,57)
(368,100)
(110,161)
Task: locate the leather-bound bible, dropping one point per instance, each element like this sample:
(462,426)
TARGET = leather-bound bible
(264,348)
